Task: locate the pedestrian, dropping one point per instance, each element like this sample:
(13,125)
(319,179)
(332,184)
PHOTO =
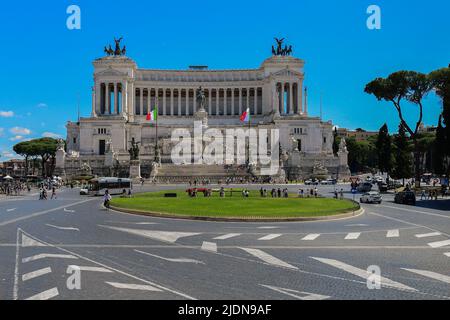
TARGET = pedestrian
(106,199)
(279,193)
(342,194)
(423,195)
(53,193)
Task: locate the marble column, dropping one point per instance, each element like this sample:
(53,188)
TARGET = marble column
(172,102)
(186,112)
(210,102)
(107,97)
(248,98)
(256,101)
(98,98)
(299,98)
(217,102)
(179,102)
(141,101)
(116,106)
(195,100)
(291,98)
(233,112)
(276,99)
(225,107)
(241,107)
(283,110)
(164,101)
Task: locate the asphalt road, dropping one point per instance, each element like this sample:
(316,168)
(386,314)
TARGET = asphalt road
(45,245)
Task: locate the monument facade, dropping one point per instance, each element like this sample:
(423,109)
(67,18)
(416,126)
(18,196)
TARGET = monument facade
(118,136)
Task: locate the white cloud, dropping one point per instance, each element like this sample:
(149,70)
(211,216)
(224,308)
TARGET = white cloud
(42,105)
(16,138)
(20,131)
(51,135)
(8,154)
(6,114)
(1,132)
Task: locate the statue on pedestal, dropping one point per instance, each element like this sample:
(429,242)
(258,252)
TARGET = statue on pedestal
(134,150)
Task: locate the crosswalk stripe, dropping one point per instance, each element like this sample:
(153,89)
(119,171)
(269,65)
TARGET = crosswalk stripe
(46,295)
(430,274)
(227,236)
(45,256)
(297,294)
(133,286)
(393,233)
(353,236)
(267,258)
(94,269)
(427,235)
(439,244)
(35,274)
(209,246)
(362,273)
(311,237)
(270,237)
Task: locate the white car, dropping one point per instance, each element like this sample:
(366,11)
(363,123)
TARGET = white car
(84,191)
(371,197)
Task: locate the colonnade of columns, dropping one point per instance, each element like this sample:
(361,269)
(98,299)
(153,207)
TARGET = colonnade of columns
(290,98)
(110,98)
(183,101)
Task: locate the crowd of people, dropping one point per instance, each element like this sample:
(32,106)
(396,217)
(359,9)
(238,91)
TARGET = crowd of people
(14,188)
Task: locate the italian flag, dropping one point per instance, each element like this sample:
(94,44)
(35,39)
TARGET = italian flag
(246,116)
(153,116)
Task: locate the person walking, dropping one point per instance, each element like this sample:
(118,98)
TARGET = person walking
(107,199)
(53,193)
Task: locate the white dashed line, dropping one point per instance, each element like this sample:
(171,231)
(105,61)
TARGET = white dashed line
(209,246)
(430,274)
(393,233)
(297,294)
(311,237)
(180,260)
(164,236)
(228,236)
(35,274)
(439,244)
(11,210)
(270,237)
(362,273)
(133,286)
(63,228)
(46,295)
(428,235)
(267,258)
(353,236)
(46,256)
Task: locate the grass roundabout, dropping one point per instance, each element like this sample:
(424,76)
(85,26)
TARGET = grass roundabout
(234,206)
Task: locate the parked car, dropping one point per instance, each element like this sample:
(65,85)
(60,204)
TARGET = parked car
(84,192)
(371,197)
(405,197)
(328,182)
(365,187)
(383,187)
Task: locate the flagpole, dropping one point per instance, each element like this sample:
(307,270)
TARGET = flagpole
(249,128)
(157,116)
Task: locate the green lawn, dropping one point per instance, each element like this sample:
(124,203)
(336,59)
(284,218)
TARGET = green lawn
(235,206)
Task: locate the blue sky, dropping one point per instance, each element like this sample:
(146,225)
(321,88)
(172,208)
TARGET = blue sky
(45,66)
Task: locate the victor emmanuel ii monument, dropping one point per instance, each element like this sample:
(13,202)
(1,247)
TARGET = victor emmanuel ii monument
(118,140)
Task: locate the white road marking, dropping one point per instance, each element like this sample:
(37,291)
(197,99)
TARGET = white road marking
(47,256)
(423,212)
(228,236)
(297,294)
(118,271)
(29,242)
(69,211)
(311,237)
(357,225)
(447,254)
(362,273)
(270,237)
(180,260)
(63,228)
(393,233)
(46,295)
(353,236)
(11,210)
(92,269)
(268,228)
(165,236)
(428,235)
(267,258)
(439,244)
(35,274)
(133,286)
(430,274)
(209,246)
(37,214)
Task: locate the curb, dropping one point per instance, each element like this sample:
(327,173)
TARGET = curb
(352,214)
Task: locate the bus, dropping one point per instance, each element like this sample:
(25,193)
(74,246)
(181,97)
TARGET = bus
(115,186)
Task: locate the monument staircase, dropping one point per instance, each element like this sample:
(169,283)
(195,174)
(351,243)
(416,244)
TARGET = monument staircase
(170,173)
